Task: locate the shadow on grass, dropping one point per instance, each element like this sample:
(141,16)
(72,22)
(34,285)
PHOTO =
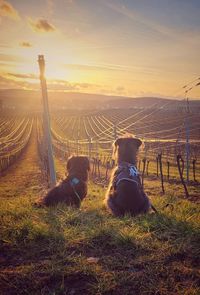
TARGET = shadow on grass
(46,264)
(53,253)
(181,235)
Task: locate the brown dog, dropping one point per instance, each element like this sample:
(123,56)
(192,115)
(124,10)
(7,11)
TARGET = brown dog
(125,193)
(73,189)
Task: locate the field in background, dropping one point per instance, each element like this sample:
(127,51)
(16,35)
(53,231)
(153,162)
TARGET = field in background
(162,130)
(87,251)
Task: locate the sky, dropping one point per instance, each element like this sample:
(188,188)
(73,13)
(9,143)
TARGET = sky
(114,47)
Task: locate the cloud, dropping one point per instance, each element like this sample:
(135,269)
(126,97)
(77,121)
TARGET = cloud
(31,81)
(7,10)
(11,58)
(22,81)
(41,26)
(23,76)
(68,86)
(9,83)
(112,67)
(120,90)
(81,67)
(25,44)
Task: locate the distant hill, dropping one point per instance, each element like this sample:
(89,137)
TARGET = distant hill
(31,100)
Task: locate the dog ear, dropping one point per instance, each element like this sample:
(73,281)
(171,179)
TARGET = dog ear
(69,163)
(137,142)
(118,141)
(116,144)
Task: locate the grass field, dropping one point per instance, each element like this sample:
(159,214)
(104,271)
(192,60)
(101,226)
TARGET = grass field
(66,251)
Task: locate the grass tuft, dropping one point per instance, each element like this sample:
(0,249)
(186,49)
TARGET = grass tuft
(49,250)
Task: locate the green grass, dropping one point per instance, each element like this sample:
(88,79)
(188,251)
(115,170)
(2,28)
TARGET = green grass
(88,251)
(46,251)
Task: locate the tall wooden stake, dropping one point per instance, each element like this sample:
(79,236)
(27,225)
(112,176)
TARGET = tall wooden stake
(179,161)
(187,146)
(161,172)
(46,121)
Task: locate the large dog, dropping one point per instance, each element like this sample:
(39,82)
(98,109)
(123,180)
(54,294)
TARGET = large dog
(73,189)
(125,194)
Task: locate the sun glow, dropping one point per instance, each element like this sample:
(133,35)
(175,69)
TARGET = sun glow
(144,57)
(55,68)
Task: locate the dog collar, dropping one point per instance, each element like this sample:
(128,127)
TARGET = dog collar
(133,172)
(126,171)
(74,181)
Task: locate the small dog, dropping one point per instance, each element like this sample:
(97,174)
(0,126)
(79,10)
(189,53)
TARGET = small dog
(73,189)
(125,193)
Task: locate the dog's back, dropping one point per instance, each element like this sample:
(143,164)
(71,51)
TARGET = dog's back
(73,189)
(67,192)
(125,194)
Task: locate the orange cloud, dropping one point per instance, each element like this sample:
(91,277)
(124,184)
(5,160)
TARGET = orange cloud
(9,83)
(11,58)
(7,10)
(25,44)
(23,76)
(22,81)
(41,26)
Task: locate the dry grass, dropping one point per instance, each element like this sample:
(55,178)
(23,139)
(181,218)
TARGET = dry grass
(46,251)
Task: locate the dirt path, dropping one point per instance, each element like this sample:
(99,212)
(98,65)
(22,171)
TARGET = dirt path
(24,175)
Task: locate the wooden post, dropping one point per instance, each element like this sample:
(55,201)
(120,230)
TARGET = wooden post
(161,172)
(97,149)
(168,165)
(95,166)
(98,166)
(148,161)
(107,167)
(157,162)
(187,145)
(194,169)
(46,120)
(179,159)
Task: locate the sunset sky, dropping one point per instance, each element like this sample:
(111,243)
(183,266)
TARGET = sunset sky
(120,47)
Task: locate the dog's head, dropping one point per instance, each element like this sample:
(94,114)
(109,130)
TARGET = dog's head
(78,164)
(125,149)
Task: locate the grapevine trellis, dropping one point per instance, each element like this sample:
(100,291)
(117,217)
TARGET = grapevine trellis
(163,134)
(92,134)
(15,133)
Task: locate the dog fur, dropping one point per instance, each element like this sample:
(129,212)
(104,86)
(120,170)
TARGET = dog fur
(127,197)
(67,191)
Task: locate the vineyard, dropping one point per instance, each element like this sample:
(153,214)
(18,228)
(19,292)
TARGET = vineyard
(162,130)
(67,251)
(14,136)
(167,154)
(99,147)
